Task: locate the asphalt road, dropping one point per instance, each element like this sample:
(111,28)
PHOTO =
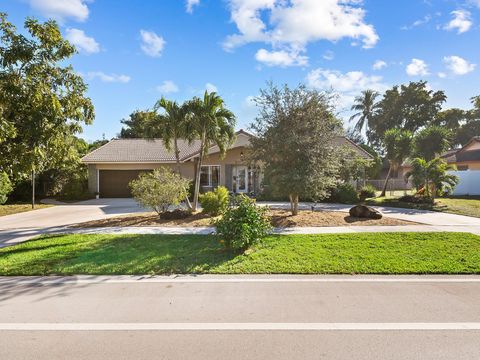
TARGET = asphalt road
(261,317)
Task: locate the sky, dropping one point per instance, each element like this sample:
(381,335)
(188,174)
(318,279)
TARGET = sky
(132,52)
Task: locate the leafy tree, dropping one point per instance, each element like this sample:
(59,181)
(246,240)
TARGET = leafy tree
(409,107)
(365,106)
(213,124)
(160,189)
(137,124)
(397,147)
(451,119)
(431,142)
(467,131)
(376,165)
(432,175)
(42,100)
(96,144)
(295,133)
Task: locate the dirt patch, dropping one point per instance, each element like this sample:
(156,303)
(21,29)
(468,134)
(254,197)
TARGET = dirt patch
(148,219)
(280,218)
(283,218)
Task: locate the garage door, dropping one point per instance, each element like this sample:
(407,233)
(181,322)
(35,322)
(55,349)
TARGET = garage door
(114,183)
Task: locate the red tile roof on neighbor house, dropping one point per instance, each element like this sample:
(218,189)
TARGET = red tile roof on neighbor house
(154,150)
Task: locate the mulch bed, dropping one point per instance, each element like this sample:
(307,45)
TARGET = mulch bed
(280,218)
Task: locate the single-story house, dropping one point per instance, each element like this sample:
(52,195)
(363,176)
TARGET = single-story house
(112,166)
(467,157)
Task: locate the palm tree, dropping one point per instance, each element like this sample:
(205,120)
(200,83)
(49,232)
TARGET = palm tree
(171,125)
(365,107)
(214,125)
(432,175)
(397,147)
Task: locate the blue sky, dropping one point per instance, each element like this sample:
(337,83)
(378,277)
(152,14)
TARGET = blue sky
(132,52)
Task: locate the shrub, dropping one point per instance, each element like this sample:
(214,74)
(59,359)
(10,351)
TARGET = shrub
(215,202)
(5,187)
(176,214)
(416,199)
(345,194)
(368,191)
(159,189)
(243,225)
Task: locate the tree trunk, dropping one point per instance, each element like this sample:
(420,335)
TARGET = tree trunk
(197,174)
(386,181)
(177,159)
(33,189)
(294,204)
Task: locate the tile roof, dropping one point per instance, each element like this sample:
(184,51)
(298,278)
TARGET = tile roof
(140,150)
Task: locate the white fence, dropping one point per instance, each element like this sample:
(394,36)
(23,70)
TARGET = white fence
(469,183)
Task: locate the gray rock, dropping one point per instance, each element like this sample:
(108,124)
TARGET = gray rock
(362,211)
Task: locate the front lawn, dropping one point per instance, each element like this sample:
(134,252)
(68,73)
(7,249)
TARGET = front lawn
(9,209)
(363,253)
(460,206)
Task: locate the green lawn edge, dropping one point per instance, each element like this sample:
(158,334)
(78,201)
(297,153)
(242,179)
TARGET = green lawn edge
(360,253)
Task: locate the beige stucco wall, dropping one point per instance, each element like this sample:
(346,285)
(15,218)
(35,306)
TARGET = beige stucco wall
(232,157)
(472,165)
(474,145)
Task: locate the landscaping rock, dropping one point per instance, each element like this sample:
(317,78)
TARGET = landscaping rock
(362,211)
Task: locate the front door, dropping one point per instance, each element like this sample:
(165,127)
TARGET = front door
(241,179)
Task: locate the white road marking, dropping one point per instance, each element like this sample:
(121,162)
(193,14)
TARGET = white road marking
(239,326)
(206,279)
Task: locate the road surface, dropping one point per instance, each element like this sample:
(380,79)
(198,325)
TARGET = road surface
(240,317)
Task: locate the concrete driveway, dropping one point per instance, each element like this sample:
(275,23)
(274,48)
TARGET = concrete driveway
(20,227)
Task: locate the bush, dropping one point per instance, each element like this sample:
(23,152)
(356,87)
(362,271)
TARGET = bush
(159,189)
(5,187)
(215,202)
(416,199)
(243,225)
(345,194)
(368,191)
(176,214)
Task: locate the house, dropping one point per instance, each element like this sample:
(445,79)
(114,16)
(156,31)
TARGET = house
(112,166)
(467,157)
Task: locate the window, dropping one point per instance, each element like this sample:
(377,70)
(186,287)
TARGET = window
(210,176)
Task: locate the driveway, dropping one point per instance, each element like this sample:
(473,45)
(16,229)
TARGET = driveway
(20,227)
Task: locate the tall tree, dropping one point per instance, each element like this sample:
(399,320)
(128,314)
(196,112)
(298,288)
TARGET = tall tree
(431,142)
(42,100)
(213,124)
(409,107)
(171,125)
(137,124)
(397,148)
(296,129)
(365,106)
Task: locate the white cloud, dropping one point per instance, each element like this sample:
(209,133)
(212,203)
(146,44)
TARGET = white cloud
(281,58)
(345,85)
(458,65)
(190,4)
(442,75)
(167,87)
(426,19)
(110,78)
(211,88)
(291,25)
(61,9)
(417,68)
(82,41)
(328,55)
(152,44)
(461,21)
(379,64)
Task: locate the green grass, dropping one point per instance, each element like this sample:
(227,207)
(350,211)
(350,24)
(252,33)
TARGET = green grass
(365,253)
(460,206)
(10,209)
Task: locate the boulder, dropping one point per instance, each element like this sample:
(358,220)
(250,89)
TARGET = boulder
(362,211)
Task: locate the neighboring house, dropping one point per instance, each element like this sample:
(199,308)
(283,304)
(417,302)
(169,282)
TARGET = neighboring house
(112,166)
(467,157)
